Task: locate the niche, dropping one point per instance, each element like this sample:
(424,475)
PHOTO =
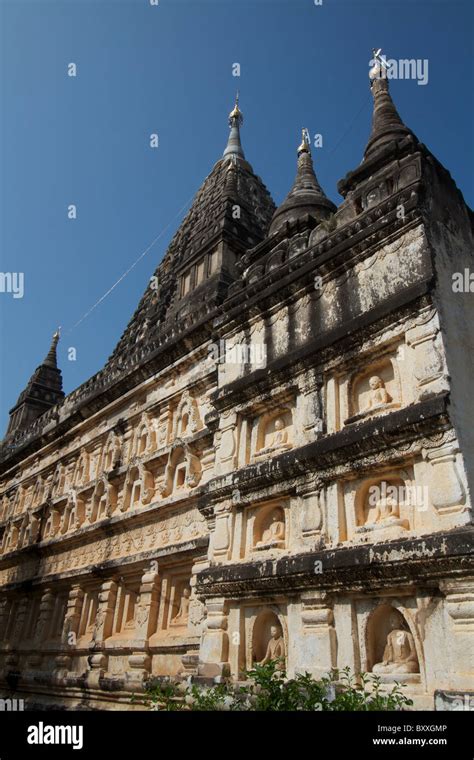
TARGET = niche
(274,433)
(269,529)
(374,390)
(82,469)
(267,639)
(391,647)
(382,507)
(183,470)
(132,489)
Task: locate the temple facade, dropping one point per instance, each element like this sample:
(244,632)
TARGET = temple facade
(277,460)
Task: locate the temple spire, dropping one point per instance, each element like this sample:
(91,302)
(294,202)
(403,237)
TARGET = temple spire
(234,147)
(387,125)
(306,196)
(51,359)
(43,390)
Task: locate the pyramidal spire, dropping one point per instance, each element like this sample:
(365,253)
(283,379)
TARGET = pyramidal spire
(305,175)
(306,196)
(386,122)
(43,390)
(51,359)
(234,146)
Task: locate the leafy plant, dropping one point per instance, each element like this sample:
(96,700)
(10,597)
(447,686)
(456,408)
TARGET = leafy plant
(268,689)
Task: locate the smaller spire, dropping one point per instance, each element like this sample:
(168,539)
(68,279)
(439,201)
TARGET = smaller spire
(304,146)
(236,119)
(387,125)
(43,390)
(306,197)
(51,357)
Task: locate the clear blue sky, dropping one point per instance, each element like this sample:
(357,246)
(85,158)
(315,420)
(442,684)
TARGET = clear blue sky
(168,69)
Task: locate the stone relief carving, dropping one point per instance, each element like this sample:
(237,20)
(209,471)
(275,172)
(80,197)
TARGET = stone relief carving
(183,470)
(274,434)
(270,530)
(266,638)
(446,488)
(399,654)
(382,508)
(374,390)
(181,618)
(187,419)
(275,651)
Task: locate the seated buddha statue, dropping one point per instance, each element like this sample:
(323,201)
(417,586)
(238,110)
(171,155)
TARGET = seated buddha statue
(379,395)
(399,654)
(279,439)
(275,648)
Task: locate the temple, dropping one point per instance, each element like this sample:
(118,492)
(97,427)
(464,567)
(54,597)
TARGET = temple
(277,459)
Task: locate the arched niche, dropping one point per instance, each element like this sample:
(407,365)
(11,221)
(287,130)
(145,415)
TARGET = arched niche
(393,646)
(381,503)
(132,490)
(112,452)
(147,484)
(74,513)
(269,528)
(5,503)
(59,479)
(187,419)
(375,389)
(51,525)
(13,533)
(81,474)
(183,470)
(274,432)
(143,437)
(261,633)
(38,492)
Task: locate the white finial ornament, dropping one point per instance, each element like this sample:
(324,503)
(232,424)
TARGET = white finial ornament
(380,65)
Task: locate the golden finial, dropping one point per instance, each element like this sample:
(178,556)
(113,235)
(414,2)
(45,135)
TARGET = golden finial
(304,147)
(236,113)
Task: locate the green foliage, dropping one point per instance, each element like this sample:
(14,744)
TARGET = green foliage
(268,689)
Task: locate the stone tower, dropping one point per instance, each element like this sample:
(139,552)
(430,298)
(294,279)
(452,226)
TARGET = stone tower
(276,459)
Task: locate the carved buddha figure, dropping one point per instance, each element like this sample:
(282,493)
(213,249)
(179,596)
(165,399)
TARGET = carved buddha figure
(279,438)
(182,617)
(274,529)
(387,508)
(275,648)
(378,393)
(399,654)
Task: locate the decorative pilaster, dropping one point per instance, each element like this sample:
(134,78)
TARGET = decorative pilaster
(222,532)
(147,607)
(19,623)
(41,632)
(214,653)
(311,406)
(312,513)
(70,630)
(319,642)
(105,611)
(459,604)
(227,443)
(4,613)
(445,487)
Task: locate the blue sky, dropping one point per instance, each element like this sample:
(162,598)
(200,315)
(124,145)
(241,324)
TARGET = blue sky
(167,69)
